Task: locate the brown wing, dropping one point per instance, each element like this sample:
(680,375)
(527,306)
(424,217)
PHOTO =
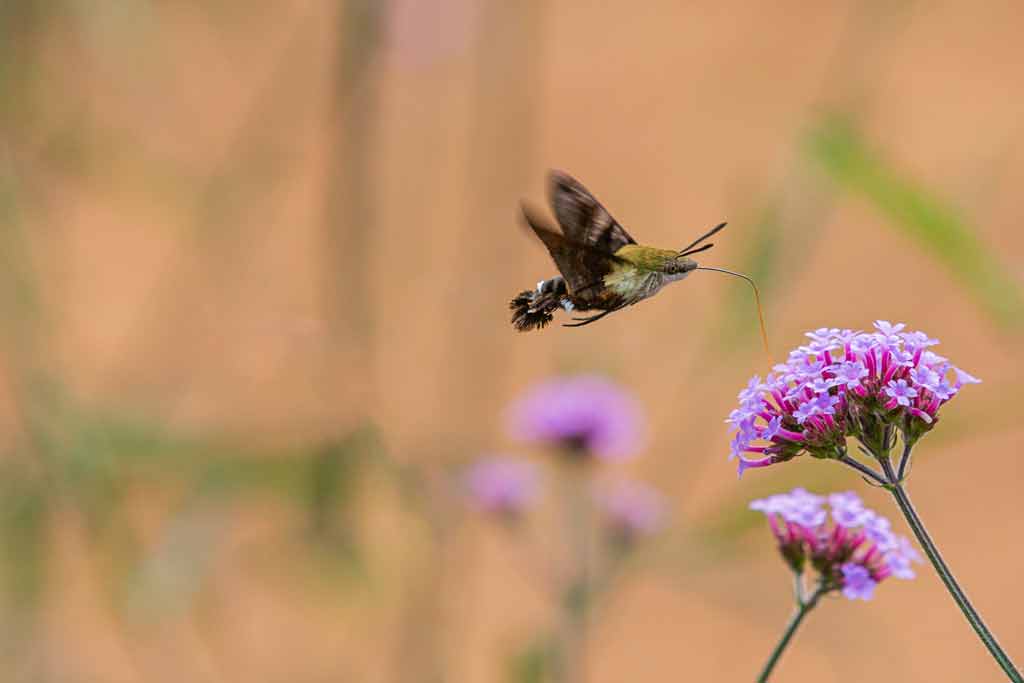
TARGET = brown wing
(582,217)
(582,266)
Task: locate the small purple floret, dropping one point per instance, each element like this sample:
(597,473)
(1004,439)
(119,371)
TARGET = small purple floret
(857,582)
(746,464)
(797,506)
(900,392)
(848,510)
(901,558)
(849,374)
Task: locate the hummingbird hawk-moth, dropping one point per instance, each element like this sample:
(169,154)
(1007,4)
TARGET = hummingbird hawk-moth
(602,267)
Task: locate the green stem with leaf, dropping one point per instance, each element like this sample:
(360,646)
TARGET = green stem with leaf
(894,484)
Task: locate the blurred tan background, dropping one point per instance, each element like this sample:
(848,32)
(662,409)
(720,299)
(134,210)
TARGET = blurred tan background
(256,259)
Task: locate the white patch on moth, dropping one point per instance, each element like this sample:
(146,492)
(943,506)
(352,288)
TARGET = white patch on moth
(540,285)
(676,277)
(567,306)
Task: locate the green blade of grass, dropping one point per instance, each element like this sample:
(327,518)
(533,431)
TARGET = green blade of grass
(531,664)
(933,224)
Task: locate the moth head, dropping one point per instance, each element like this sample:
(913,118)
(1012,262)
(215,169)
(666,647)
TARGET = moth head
(680,265)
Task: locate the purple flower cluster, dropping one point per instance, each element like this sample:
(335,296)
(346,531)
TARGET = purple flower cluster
(502,486)
(585,415)
(843,383)
(852,554)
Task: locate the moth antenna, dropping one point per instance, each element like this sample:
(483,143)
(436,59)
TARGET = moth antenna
(709,233)
(695,251)
(757,298)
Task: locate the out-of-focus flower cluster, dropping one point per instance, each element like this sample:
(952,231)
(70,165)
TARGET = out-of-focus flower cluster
(585,415)
(844,383)
(632,510)
(851,547)
(502,486)
(584,418)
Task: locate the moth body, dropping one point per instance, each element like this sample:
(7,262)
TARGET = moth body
(602,267)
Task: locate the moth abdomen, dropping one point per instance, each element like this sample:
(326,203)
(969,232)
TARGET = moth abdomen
(533,309)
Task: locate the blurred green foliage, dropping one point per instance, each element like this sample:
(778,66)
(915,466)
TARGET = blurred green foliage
(532,664)
(92,460)
(835,146)
(933,224)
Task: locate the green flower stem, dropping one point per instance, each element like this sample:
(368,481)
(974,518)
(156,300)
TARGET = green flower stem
(866,471)
(973,618)
(901,473)
(802,608)
(577,591)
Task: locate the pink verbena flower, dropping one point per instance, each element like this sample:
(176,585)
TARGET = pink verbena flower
(586,415)
(502,486)
(841,384)
(850,547)
(632,510)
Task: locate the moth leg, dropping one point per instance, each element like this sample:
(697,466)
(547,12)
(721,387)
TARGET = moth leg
(586,321)
(580,322)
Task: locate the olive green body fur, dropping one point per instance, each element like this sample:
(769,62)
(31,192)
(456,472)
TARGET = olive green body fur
(641,271)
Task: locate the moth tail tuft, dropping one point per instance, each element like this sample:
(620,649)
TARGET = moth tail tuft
(526,316)
(533,309)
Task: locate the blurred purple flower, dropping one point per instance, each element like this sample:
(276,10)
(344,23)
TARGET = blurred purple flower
(502,485)
(853,554)
(901,559)
(584,415)
(797,506)
(843,384)
(632,510)
(848,510)
(421,33)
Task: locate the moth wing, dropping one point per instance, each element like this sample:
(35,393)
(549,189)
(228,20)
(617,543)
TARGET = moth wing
(583,266)
(582,217)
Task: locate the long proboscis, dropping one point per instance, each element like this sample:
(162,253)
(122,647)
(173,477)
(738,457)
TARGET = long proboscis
(757,299)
